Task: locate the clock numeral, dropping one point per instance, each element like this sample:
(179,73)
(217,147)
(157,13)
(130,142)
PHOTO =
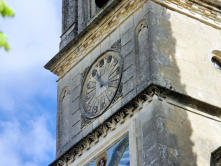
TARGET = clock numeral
(106,96)
(94,73)
(115,61)
(115,72)
(109,59)
(95,109)
(114,83)
(103,105)
(87,98)
(110,92)
(101,84)
(118,70)
(93,90)
(101,64)
(91,85)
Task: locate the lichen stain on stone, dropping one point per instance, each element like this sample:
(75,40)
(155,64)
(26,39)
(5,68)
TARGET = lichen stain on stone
(179,126)
(165,41)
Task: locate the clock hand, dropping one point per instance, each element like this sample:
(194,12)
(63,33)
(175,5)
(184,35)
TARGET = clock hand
(109,82)
(99,80)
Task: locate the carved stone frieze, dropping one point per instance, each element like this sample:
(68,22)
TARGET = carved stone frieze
(126,113)
(196,7)
(209,13)
(89,41)
(116,46)
(109,125)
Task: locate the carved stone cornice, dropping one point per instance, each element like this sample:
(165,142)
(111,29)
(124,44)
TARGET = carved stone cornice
(127,112)
(214,3)
(109,125)
(62,63)
(206,10)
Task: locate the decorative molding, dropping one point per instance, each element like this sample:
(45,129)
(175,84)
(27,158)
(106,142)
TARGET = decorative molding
(127,112)
(89,42)
(84,74)
(109,125)
(194,8)
(64,93)
(117,46)
(142,24)
(197,9)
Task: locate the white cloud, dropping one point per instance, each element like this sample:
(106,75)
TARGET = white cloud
(34,38)
(25,145)
(33,34)
(26,138)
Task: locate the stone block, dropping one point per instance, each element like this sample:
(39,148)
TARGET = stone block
(76,80)
(129,74)
(126,25)
(151,137)
(138,16)
(95,53)
(75,129)
(115,36)
(129,59)
(87,130)
(75,105)
(105,45)
(75,117)
(151,155)
(128,87)
(95,124)
(128,48)
(127,36)
(76,93)
(116,106)
(128,96)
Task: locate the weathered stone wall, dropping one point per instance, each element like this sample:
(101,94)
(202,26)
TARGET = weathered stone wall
(158,46)
(183,47)
(172,135)
(77,19)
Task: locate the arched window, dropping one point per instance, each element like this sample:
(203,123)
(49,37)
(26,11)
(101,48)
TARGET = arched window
(101,3)
(95,6)
(216,59)
(216,158)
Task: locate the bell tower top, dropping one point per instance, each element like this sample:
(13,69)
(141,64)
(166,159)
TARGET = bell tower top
(135,80)
(78,15)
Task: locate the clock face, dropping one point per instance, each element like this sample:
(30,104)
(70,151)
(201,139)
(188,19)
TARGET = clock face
(101,84)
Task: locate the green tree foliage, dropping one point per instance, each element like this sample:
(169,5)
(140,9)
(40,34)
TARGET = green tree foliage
(5,11)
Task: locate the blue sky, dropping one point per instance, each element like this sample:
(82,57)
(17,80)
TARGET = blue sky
(27,90)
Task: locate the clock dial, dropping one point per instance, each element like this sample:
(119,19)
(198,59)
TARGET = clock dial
(101,84)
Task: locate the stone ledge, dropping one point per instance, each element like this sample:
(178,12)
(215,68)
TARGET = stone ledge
(62,62)
(76,38)
(128,111)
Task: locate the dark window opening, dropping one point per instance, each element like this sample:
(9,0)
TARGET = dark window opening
(216,158)
(216,59)
(101,3)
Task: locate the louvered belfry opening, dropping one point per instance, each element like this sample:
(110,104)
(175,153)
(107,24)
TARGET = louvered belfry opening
(101,3)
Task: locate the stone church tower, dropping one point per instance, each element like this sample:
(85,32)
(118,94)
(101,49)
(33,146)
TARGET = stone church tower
(139,83)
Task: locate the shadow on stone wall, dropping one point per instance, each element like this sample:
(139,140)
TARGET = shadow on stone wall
(174,130)
(178,125)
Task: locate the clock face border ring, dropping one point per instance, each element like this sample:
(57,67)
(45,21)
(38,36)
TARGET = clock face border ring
(92,115)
